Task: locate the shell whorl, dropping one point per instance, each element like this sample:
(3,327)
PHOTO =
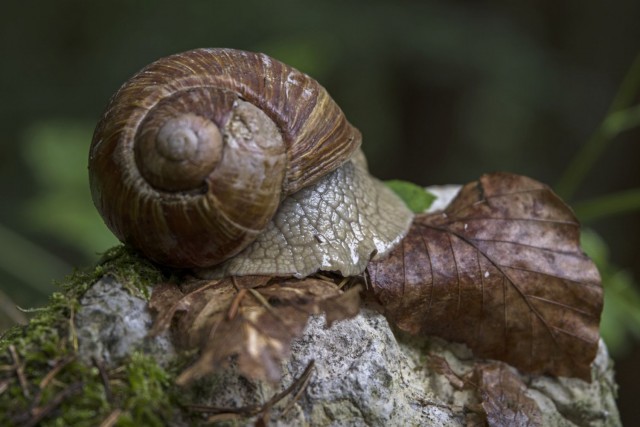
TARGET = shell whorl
(195,152)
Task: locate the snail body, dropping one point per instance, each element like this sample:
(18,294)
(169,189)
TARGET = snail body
(196,152)
(337,224)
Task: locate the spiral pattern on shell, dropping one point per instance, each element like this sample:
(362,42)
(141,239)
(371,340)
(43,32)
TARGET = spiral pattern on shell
(195,152)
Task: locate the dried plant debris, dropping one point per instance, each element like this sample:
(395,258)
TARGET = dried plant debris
(253,318)
(503,399)
(263,411)
(501,270)
(500,393)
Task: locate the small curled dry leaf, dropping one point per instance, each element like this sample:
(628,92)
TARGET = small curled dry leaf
(500,390)
(440,365)
(501,270)
(503,398)
(254,318)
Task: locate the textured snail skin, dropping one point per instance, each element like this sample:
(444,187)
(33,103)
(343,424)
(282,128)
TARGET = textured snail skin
(337,224)
(267,130)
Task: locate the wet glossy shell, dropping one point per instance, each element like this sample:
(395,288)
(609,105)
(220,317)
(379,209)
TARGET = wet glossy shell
(195,152)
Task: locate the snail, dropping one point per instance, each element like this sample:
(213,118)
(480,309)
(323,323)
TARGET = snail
(234,162)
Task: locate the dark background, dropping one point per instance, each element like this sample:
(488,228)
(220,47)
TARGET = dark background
(441,90)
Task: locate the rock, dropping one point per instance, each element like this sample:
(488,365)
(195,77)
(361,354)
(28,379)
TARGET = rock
(112,324)
(577,402)
(444,195)
(363,374)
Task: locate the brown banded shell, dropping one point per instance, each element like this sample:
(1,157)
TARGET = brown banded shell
(195,152)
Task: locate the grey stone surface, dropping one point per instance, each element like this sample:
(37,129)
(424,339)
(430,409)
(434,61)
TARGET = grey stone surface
(563,402)
(363,377)
(363,374)
(579,403)
(112,323)
(444,195)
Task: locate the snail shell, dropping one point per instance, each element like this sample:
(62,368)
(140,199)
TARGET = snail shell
(196,151)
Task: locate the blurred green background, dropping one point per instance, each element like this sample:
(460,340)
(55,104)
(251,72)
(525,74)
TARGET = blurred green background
(441,90)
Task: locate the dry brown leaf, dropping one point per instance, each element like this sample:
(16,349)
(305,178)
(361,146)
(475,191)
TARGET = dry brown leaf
(440,365)
(503,397)
(473,419)
(253,317)
(501,270)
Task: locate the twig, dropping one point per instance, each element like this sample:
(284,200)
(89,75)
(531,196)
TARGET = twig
(245,411)
(214,329)
(61,363)
(366,279)
(40,413)
(305,379)
(225,414)
(301,379)
(111,419)
(301,382)
(104,376)
(323,277)
(72,329)
(4,384)
(343,282)
(7,368)
(262,300)
(233,309)
(53,372)
(19,369)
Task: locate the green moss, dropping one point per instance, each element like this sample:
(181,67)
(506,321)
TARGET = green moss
(145,391)
(139,392)
(137,274)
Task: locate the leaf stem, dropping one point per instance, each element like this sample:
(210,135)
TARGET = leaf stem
(611,204)
(619,118)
